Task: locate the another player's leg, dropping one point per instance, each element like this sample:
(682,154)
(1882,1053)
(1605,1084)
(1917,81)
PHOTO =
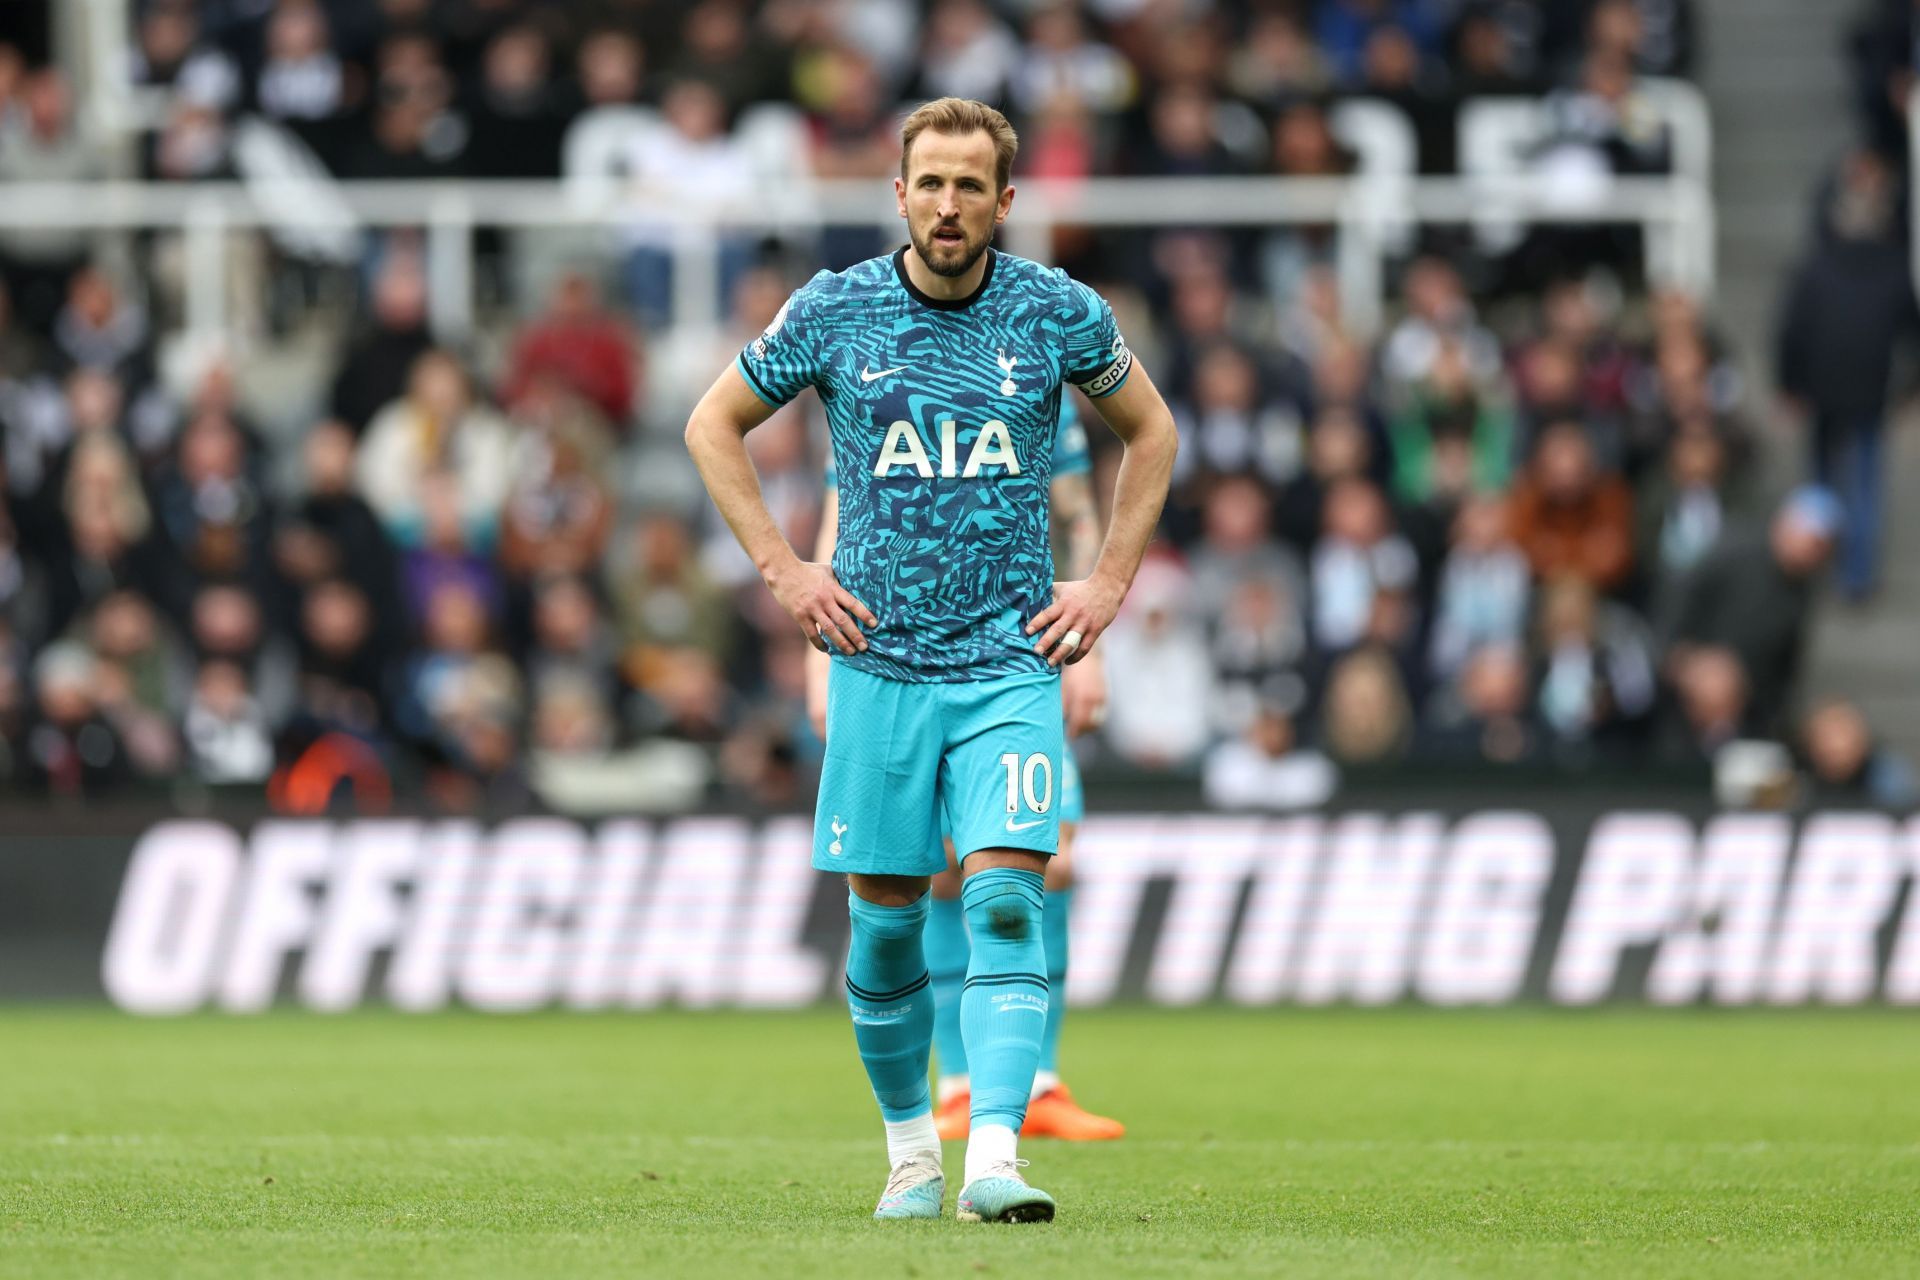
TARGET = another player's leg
(1003,1012)
(1053,1112)
(947,956)
(869,826)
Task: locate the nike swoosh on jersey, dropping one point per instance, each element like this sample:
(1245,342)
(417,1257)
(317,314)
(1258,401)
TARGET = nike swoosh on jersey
(1022,826)
(869,377)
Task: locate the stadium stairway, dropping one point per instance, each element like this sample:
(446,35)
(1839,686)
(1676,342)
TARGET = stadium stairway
(1776,80)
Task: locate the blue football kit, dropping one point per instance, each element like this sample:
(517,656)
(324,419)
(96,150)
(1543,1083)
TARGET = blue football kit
(945,421)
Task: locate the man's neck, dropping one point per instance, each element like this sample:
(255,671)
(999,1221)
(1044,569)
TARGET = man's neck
(945,288)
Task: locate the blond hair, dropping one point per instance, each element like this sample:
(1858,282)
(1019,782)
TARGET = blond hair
(957,117)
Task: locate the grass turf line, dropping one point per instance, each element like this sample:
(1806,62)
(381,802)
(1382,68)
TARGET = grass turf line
(1331,1142)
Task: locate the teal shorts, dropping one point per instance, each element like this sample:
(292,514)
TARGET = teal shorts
(1073,801)
(981,759)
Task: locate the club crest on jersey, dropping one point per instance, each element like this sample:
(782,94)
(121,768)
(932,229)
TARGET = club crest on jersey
(1006,363)
(903,447)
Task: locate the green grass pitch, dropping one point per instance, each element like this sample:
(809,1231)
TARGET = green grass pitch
(1391,1143)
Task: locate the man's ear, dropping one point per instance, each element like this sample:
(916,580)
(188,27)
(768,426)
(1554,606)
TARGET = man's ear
(900,195)
(1006,205)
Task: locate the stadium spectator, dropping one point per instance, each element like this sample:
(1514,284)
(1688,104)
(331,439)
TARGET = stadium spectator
(581,346)
(1572,519)
(1337,450)
(967,52)
(1259,648)
(302,78)
(1267,768)
(99,327)
(104,538)
(1683,508)
(71,749)
(1276,62)
(720,47)
(1347,29)
(1229,428)
(1438,313)
(1481,598)
(39,142)
(1366,715)
(227,734)
(1359,556)
(447,553)
(138,670)
(1713,706)
(1751,597)
(346,673)
(1597,682)
(1154,644)
(690,163)
(1493,52)
(413,131)
(374,368)
(1847,766)
(211,505)
(662,596)
(173,54)
(438,428)
(610,69)
(1485,715)
(559,513)
(1062,58)
(515,114)
(1451,437)
(1850,309)
(226,621)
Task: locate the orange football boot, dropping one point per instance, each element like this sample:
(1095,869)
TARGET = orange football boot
(952,1119)
(1054,1114)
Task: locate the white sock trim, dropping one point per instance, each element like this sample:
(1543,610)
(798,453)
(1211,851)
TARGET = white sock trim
(989,1145)
(911,1137)
(1043,1081)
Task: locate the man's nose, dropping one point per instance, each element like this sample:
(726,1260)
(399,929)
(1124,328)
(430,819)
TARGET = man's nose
(949,203)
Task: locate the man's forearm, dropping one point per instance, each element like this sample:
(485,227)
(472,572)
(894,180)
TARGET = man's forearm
(720,454)
(1076,526)
(1139,491)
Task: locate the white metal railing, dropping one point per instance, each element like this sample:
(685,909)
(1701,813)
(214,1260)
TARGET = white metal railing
(1676,213)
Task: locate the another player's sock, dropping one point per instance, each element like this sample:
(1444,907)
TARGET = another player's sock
(1003,1008)
(1053,930)
(946,945)
(892,1011)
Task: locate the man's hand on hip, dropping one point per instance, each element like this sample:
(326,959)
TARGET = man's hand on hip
(1080,613)
(825,610)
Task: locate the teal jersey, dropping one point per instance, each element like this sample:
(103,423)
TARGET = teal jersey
(944,420)
(1070,454)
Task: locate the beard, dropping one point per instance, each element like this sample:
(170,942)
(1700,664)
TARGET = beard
(947,259)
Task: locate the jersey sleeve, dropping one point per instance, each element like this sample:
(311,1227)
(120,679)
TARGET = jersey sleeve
(1097,357)
(784,360)
(1070,456)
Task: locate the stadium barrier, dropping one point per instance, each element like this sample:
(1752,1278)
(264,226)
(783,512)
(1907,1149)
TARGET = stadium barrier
(1675,213)
(1572,903)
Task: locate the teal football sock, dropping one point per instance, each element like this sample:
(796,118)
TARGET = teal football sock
(1053,931)
(891,1005)
(947,949)
(1003,1008)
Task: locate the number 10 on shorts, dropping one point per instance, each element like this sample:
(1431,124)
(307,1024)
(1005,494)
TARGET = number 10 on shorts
(1033,777)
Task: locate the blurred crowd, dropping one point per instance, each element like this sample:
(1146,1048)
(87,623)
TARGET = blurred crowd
(1531,525)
